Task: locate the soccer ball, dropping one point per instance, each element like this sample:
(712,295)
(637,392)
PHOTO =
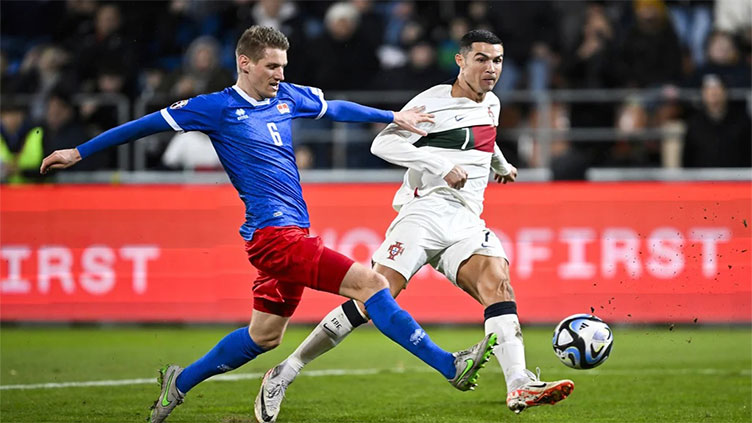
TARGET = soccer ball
(582,341)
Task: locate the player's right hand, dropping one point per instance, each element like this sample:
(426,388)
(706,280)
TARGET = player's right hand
(456,177)
(60,159)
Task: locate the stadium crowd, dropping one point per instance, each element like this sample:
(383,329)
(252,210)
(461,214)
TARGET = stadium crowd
(53,54)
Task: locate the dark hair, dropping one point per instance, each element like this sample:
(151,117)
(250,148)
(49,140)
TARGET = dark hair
(256,38)
(478,36)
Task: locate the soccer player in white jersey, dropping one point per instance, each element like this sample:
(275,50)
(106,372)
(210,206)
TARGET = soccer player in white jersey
(439,223)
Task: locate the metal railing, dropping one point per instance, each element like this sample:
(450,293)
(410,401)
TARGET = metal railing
(343,136)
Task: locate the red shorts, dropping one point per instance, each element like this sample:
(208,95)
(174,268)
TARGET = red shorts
(288,259)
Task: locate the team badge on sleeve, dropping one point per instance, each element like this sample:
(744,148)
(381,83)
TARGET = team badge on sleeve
(283,108)
(395,250)
(179,104)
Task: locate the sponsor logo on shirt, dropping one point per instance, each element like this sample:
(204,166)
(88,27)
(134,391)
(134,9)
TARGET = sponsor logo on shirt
(241,114)
(283,108)
(179,104)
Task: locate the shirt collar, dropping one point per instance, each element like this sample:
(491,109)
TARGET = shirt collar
(250,99)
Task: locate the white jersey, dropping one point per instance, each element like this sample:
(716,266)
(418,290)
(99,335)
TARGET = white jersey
(463,134)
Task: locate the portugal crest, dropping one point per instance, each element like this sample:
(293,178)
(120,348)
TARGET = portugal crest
(395,250)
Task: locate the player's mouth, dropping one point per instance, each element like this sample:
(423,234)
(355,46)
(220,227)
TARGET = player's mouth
(274,86)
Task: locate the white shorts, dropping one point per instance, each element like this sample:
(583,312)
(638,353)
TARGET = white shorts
(440,232)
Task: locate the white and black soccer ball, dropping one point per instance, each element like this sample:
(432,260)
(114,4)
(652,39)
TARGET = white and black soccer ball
(583,341)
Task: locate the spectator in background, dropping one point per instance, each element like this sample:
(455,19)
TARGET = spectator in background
(191,151)
(477,13)
(449,46)
(76,23)
(177,28)
(529,31)
(21,150)
(419,73)
(106,43)
(632,118)
(650,54)
(62,129)
(282,15)
(718,135)
(371,22)
(342,59)
(201,72)
(735,18)
(99,115)
(692,20)
(725,60)
(400,13)
(43,68)
(591,66)
(395,56)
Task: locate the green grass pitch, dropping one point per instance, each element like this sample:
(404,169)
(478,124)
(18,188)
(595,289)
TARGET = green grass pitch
(653,375)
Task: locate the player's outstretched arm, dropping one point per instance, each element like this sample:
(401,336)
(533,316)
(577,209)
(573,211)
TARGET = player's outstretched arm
(347,111)
(133,130)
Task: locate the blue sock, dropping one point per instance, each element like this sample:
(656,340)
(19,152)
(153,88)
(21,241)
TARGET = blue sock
(234,350)
(401,328)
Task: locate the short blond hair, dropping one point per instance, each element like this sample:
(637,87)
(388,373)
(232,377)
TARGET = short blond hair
(256,38)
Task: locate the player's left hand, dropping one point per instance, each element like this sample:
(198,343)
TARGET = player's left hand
(509,177)
(410,118)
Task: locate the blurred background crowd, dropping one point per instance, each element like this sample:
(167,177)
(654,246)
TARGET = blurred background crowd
(647,83)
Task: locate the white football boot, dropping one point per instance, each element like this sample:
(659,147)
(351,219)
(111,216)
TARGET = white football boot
(270,395)
(532,391)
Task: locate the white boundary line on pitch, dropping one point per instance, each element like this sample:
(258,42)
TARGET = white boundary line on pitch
(366,372)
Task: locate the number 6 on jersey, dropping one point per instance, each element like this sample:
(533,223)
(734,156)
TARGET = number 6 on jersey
(275,135)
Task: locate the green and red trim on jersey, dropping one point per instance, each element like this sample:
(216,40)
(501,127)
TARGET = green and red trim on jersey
(480,138)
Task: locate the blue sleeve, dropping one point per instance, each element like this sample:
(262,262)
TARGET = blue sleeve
(307,102)
(199,113)
(347,111)
(139,128)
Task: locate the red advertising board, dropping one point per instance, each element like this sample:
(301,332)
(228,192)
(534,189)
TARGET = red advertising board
(637,252)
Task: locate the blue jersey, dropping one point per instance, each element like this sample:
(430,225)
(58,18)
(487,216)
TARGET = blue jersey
(253,140)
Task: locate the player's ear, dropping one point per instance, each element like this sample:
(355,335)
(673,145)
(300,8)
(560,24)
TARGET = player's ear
(459,60)
(243,63)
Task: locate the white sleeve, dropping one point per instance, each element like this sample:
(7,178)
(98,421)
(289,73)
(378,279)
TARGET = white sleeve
(499,163)
(395,145)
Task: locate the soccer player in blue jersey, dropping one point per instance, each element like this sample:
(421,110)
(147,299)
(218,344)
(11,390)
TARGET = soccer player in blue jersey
(250,127)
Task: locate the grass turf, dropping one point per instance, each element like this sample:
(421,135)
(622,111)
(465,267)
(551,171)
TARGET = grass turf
(653,375)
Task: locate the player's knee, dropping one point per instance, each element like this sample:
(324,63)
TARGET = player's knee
(268,340)
(375,282)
